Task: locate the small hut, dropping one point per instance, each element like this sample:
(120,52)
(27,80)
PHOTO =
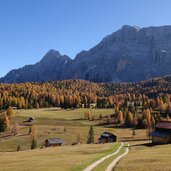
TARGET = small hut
(107,137)
(53,142)
(162,133)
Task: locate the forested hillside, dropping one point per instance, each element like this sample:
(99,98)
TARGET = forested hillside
(73,93)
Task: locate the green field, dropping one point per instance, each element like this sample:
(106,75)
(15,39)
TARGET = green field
(50,123)
(66,158)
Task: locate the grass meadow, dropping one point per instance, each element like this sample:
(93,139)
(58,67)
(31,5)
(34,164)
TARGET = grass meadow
(67,124)
(144,157)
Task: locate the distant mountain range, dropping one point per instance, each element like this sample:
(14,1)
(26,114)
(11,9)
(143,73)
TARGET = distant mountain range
(130,54)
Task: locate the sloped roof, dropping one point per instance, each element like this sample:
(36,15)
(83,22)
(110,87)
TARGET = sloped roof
(55,141)
(165,125)
(159,134)
(107,134)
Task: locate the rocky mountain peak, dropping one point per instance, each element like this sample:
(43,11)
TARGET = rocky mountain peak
(130,28)
(53,57)
(130,54)
(53,52)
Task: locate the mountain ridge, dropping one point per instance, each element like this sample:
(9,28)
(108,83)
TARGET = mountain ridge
(130,54)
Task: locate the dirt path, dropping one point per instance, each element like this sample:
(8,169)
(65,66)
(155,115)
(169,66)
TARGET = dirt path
(115,161)
(92,166)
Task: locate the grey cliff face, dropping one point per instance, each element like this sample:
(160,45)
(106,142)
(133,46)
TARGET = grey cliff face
(130,54)
(48,69)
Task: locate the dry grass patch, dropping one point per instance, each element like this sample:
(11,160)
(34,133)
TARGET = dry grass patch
(145,158)
(64,158)
(50,123)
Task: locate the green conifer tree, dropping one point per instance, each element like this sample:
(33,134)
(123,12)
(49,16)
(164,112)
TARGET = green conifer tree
(133,132)
(18,148)
(33,144)
(90,136)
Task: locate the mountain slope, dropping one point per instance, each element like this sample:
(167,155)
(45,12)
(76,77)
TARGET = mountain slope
(49,68)
(130,54)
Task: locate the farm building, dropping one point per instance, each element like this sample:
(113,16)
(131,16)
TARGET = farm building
(53,142)
(162,133)
(107,137)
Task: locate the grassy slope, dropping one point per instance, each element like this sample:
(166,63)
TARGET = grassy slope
(144,158)
(64,158)
(50,123)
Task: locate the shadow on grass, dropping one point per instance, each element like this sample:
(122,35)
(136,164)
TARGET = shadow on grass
(110,125)
(149,144)
(80,119)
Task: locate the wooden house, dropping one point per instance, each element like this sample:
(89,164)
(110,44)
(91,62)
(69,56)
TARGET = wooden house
(53,142)
(107,137)
(162,133)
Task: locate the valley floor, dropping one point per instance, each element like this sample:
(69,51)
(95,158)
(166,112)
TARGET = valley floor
(67,124)
(141,157)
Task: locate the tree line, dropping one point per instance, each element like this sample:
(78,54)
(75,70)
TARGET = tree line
(77,93)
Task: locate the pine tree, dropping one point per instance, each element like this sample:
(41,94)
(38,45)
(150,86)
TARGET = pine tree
(2,124)
(120,117)
(33,144)
(133,132)
(90,136)
(129,119)
(18,148)
(100,118)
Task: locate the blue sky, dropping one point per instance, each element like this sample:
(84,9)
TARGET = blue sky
(29,28)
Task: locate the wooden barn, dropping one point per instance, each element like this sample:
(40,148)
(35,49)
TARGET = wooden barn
(107,137)
(53,142)
(162,133)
